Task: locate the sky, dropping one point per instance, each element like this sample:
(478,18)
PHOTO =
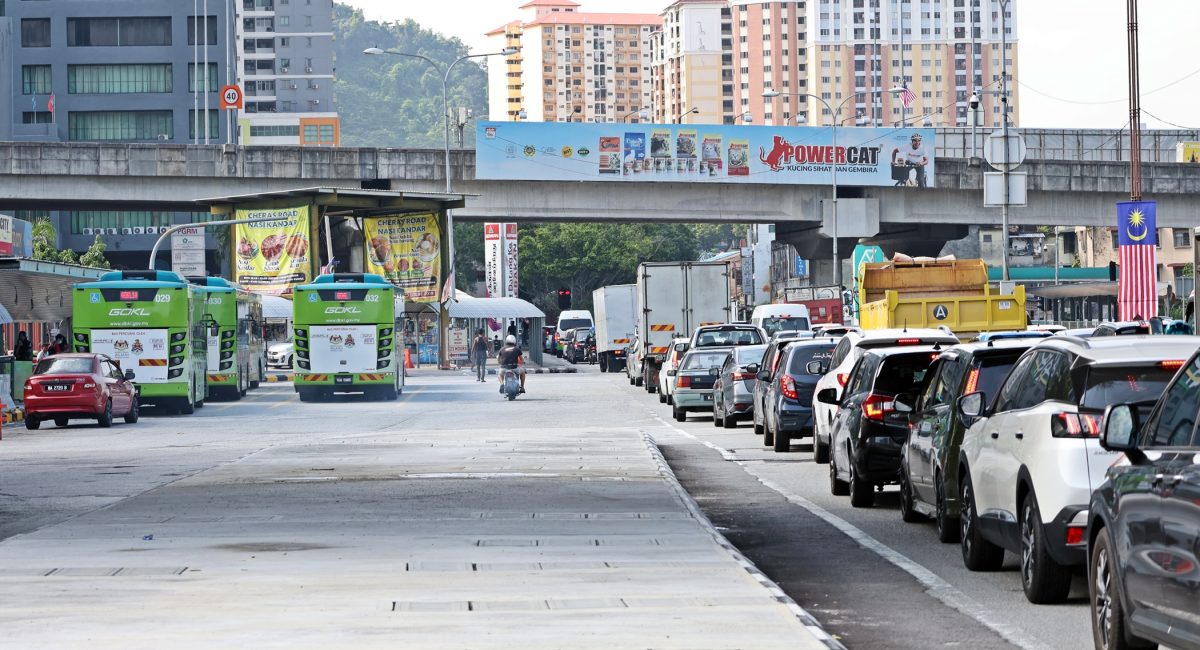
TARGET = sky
(1071,53)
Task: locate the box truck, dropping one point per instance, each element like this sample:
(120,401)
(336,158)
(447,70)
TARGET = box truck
(615,307)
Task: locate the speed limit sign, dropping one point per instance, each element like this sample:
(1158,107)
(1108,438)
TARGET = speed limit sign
(231,97)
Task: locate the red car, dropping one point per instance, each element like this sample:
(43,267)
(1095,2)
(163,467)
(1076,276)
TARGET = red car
(74,386)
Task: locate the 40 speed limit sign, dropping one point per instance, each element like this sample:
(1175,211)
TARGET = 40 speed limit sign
(231,97)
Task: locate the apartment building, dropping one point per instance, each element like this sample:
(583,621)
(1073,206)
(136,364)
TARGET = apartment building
(770,51)
(944,50)
(571,66)
(692,64)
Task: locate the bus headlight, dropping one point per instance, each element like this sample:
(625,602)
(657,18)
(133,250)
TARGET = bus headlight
(178,349)
(383,363)
(226,365)
(226,355)
(174,372)
(300,332)
(303,354)
(226,345)
(385,343)
(178,336)
(387,331)
(176,361)
(302,363)
(82,338)
(82,348)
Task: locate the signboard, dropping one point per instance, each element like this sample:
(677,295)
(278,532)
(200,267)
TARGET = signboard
(510,260)
(790,155)
(801,270)
(187,251)
(993,189)
(1187,152)
(458,343)
(231,97)
(493,256)
(21,238)
(406,249)
(748,274)
(343,348)
(144,351)
(864,255)
(6,235)
(273,256)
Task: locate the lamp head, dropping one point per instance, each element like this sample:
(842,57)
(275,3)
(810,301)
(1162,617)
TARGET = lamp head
(509,51)
(770,93)
(373,51)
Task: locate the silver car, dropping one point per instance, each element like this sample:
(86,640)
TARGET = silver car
(733,393)
(694,380)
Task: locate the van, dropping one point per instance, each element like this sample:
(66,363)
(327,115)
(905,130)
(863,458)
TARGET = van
(778,318)
(568,320)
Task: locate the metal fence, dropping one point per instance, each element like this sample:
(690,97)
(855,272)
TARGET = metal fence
(1070,144)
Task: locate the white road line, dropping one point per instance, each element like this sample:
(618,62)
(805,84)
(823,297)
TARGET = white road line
(935,586)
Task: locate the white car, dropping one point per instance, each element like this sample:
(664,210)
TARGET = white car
(1031,457)
(280,354)
(666,382)
(845,355)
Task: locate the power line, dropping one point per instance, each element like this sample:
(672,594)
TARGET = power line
(1108,101)
(1169,123)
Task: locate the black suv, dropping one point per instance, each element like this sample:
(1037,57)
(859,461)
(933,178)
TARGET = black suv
(871,423)
(929,459)
(770,360)
(1144,523)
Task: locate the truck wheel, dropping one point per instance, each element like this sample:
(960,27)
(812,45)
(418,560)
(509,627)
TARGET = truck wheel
(648,382)
(604,362)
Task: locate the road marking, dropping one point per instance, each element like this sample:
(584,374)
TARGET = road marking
(937,587)
(291,400)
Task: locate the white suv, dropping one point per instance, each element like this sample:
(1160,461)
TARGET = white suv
(1029,461)
(845,355)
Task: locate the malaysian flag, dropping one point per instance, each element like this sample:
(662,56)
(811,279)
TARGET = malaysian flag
(1137,287)
(907,96)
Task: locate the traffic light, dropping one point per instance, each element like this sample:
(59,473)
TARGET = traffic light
(564,298)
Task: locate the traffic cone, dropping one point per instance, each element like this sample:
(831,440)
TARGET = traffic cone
(408,364)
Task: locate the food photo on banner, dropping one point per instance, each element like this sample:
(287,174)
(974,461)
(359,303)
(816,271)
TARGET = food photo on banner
(273,256)
(615,152)
(406,249)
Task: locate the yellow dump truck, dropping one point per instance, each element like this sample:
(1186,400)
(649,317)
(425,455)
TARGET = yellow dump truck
(952,293)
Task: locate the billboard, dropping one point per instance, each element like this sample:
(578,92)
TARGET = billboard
(188,251)
(683,153)
(406,249)
(510,260)
(493,258)
(273,256)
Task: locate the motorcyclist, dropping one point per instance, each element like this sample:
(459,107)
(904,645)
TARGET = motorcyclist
(510,358)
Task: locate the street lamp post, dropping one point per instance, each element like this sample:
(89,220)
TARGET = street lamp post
(642,113)
(834,113)
(443,335)
(679,118)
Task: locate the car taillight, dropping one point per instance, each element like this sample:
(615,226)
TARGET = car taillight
(787,386)
(875,406)
(743,376)
(972,381)
(89,385)
(1076,425)
(842,377)
(683,381)
(1075,535)
(1172,364)
(908,341)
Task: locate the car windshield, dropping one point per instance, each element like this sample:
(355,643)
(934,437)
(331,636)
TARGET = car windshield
(903,373)
(802,355)
(728,338)
(61,366)
(749,354)
(1122,385)
(573,323)
(703,360)
(784,323)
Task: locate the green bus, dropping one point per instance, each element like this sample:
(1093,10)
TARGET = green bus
(153,324)
(236,359)
(344,332)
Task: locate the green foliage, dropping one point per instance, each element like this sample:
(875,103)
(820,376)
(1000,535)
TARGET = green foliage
(94,255)
(396,101)
(45,247)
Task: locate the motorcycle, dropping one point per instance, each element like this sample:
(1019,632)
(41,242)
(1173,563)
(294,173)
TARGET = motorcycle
(590,356)
(511,384)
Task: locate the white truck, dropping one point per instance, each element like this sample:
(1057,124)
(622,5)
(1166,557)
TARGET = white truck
(673,299)
(615,307)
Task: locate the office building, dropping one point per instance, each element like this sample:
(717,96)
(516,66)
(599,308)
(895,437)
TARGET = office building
(692,64)
(571,66)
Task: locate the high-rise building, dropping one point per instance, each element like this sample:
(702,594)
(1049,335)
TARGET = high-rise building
(943,50)
(770,51)
(571,66)
(692,64)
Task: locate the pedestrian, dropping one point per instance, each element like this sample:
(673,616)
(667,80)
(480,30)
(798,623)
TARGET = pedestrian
(56,346)
(479,350)
(24,348)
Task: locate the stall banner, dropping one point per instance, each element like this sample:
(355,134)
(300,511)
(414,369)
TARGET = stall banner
(493,259)
(406,249)
(510,260)
(795,155)
(273,256)
(6,235)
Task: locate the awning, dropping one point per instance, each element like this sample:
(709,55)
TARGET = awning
(276,307)
(1083,290)
(494,308)
(38,291)
(5,317)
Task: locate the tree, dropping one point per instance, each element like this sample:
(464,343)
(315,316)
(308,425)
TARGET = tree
(94,255)
(45,247)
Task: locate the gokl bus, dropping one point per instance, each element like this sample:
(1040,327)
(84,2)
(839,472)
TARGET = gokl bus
(153,324)
(344,331)
(236,359)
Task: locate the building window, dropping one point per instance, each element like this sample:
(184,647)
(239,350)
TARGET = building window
(214,125)
(120,125)
(36,117)
(284,21)
(202,31)
(196,81)
(275,131)
(1183,238)
(35,79)
(119,78)
(107,32)
(35,32)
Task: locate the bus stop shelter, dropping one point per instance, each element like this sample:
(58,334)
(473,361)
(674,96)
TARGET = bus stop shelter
(480,309)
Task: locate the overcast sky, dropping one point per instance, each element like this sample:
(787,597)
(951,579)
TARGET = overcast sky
(1072,56)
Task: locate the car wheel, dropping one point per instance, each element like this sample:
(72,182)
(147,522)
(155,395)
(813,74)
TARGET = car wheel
(907,512)
(729,421)
(631,380)
(978,553)
(782,443)
(105,419)
(132,416)
(758,428)
(862,494)
(662,399)
(718,420)
(768,433)
(820,450)
(1044,580)
(680,416)
(32,423)
(947,526)
(60,422)
(837,487)
(1110,629)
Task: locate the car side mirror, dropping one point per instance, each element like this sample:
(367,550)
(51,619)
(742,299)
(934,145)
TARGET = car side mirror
(1120,428)
(828,396)
(816,368)
(764,375)
(129,375)
(752,368)
(671,373)
(681,347)
(970,408)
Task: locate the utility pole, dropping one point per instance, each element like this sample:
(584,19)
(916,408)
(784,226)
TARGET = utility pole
(1004,126)
(1135,108)
(903,67)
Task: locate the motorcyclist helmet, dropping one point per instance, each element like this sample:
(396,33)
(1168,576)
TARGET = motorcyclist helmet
(511,340)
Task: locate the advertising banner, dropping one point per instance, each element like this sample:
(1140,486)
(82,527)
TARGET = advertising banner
(272,257)
(6,235)
(343,348)
(144,351)
(493,257)
(791,155)
(406,249)
(510,260)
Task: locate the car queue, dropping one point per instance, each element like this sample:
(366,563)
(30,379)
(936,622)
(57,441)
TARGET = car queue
(1074,453)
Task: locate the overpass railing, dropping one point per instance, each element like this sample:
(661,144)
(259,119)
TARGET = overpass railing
(1085,145)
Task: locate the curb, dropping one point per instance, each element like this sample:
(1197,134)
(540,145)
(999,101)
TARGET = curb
(277,378)
(810,623)
(543,371)
(16,415)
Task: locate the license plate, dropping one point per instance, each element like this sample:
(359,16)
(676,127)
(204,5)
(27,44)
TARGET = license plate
(57,388)
(708,398)
(343,379)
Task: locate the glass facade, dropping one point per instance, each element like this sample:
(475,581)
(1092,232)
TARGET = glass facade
(101,221)
(118,32)
(36,117)
(275,131)
(196,80)
(318,133)
(214,125)
(119,78)
(35,80)
(196,30)
(120,125)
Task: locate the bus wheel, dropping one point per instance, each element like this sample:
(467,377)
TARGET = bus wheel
(186,407)
(307,394)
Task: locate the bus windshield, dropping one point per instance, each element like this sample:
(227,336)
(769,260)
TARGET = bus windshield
(775,324)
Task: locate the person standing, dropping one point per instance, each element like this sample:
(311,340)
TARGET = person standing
(24,348)
(479,350)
